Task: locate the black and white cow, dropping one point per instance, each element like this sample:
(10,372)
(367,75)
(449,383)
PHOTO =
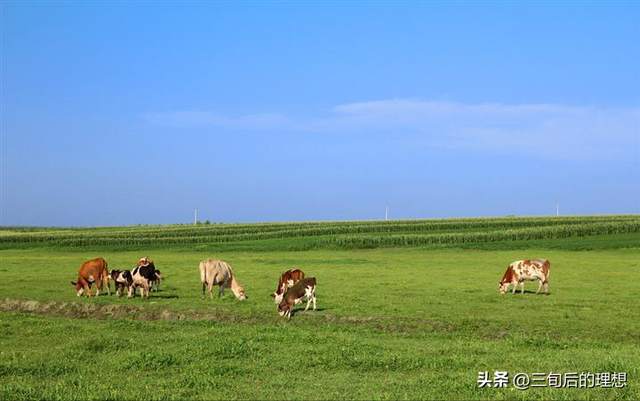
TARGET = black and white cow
(155,283)
(143,275)
(123,279)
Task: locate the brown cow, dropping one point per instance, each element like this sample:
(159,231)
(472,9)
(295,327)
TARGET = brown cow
(92,271)
(305,288)
(287,280)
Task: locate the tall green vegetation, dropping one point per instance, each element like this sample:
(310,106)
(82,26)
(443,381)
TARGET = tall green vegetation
(333,235)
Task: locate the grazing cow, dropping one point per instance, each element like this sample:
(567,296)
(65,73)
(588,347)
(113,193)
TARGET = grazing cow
(92,271)
(305,288)
(530,270)
(122,279)
(143,276)
(155,283)
(217,272)
(287,280)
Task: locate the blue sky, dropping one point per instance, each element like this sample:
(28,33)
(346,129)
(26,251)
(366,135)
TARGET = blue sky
(137,113)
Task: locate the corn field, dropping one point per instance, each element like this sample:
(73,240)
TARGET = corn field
(344,234)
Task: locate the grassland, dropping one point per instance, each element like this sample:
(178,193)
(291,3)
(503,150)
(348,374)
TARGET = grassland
(396,320)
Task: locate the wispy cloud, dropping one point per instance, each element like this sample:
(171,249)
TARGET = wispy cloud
(549,130)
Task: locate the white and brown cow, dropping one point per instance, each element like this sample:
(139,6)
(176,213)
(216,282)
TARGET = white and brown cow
(216,272)
(287,280)
(122,279)
(92,271)
(305,288)
(143,275)
(526,270)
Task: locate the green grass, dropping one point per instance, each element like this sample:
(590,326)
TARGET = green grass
(393,323)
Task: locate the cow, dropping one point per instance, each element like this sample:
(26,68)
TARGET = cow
(305,288)
(143,275)
(122,279)
(92,271)
(155,283)
(530,270)
(216,272)
(287,280)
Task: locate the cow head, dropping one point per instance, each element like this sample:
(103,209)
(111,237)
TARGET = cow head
(239,292)
(283,307)
(79,288)
(504,287)
(277,297)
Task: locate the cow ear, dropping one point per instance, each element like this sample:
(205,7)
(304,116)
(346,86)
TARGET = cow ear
(72,283)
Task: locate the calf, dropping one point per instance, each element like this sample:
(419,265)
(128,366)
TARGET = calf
(155,283)
(143,276)
(530,270)
(122,280)
(305,288)
(287,280)
(92,271)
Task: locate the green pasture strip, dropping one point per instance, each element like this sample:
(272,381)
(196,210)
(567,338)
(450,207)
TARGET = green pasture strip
(123,359)
(407,323)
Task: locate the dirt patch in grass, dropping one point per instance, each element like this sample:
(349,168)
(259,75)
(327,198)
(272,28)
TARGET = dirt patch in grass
(88,310)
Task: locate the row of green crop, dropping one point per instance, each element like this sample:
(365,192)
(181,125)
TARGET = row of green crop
(261,227)
(224,234)
(372,240)
(554,232)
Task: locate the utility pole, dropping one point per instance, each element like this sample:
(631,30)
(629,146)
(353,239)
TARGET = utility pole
(557,208)
(386,212)
(195,217)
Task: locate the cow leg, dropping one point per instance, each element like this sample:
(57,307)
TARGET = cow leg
(87,288)
(515,286)
(539,287)
(210,290)
(221,290)
(147,290)
(522,288)
(314,301)
(132,291)
(546,287)
(308,303)
(204,286)
(108,284)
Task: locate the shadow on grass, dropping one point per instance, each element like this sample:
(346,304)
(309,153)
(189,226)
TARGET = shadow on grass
(526,292)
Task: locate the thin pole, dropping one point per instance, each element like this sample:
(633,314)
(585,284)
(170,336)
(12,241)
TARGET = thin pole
(195,217)
(557,208)
(386,212)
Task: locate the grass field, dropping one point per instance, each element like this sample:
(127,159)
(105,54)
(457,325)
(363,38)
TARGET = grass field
(401,322)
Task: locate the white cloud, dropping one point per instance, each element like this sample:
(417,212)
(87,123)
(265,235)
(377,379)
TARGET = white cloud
(549,130)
